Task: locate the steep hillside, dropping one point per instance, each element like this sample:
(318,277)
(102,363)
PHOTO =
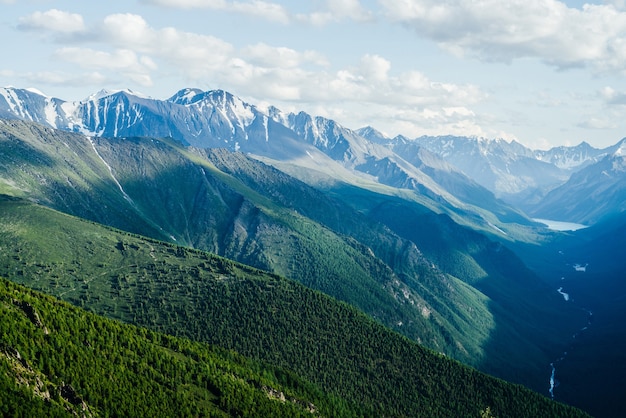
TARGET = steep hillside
(57,360)
(242,209)
(518,299)
(207,298)
(160,189)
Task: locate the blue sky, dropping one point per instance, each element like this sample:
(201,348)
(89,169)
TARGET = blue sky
(543,72)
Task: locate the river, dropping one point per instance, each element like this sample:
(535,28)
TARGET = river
(554,383)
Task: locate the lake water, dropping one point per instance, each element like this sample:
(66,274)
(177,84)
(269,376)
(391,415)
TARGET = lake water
(559,225)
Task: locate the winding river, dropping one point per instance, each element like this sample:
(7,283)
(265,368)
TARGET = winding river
(554,383)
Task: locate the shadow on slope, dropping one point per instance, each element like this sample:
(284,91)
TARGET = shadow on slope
(195,294)
(588,266)
(531,322)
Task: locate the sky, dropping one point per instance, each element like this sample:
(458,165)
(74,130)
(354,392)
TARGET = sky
(542,72)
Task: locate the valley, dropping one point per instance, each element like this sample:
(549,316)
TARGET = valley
(335,357)
(302,244)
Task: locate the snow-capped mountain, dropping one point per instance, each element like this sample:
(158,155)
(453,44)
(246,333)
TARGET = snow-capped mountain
(456,172)
(505,168)
(201,119)
(571,158)
(217,119)
(596,191)
(373,135)
(414,169)
(515,173)
(31,104)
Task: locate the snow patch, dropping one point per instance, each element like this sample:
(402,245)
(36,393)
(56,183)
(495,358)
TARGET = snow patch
(496,228)
(52,114)
(126,196)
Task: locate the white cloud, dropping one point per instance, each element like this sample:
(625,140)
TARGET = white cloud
(53,20)
(613,97)
(375,68)
(194,54)
(124,61)
(126,48)
(281,57)
(618,4)
(497,30)
(60,78)
(331,10)
(598,123)
(349,8)
(270,11)
(338,10)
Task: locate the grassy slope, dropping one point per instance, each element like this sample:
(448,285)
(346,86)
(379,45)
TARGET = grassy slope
(195,294)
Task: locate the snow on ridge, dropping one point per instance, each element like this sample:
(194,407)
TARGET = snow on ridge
(36,91)
(106,93)
(8,94)
(15,104)
(189,95)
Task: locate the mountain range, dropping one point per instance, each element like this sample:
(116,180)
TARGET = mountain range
(432,237)
(459,174)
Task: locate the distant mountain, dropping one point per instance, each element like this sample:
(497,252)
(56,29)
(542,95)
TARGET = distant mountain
(314,149)
(594,192)
(506,168)
(513,172)
(454,181)
(318,150)
(572,158)
(373,135)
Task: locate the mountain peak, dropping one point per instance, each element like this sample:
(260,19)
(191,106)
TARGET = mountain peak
(372,134)
(36,91)
(186,96)
(620,150)
(106,93)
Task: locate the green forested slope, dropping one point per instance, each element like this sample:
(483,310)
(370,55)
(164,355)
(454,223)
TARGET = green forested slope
(206,298)
(157,188)
(500,303)
(57,360)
